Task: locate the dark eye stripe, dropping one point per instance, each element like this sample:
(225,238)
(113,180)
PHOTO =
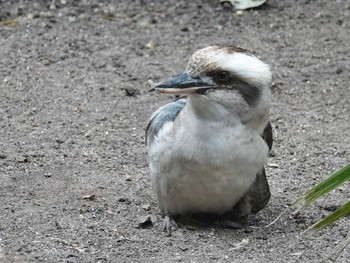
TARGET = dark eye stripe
(250,92)
(221,77)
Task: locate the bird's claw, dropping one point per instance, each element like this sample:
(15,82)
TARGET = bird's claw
(169,224)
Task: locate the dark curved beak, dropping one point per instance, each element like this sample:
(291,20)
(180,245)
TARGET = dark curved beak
(182,83)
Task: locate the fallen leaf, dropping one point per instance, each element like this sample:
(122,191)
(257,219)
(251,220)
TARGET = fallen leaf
(10,22)
(272,165)
(109,17)
(245,4)
(75,245)
(89,197)
(72,19)
(150,45)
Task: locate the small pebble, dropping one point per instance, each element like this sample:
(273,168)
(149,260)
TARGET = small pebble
(273,165)
(21,159)
(144,222)
(239,13)
(339,70)
(46,62)
(146,207)
(131,92)
(183,247)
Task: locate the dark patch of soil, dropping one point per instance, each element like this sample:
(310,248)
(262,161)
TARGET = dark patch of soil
(74,105)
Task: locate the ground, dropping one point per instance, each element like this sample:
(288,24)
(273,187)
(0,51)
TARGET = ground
(74,104)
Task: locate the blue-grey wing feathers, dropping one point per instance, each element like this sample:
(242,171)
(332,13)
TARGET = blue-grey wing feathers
(163,115)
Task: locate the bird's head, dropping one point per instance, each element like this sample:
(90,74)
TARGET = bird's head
(226,76)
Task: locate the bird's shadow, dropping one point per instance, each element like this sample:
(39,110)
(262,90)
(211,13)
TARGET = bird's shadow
(231,219)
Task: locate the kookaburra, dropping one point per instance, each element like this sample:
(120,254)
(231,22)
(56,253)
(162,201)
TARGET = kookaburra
(207,151)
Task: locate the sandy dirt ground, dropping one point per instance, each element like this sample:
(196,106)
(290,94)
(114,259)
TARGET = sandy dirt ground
(74,106)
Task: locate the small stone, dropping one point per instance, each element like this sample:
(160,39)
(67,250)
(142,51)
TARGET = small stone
(150,45)
(339,70)
(87,134)
(145,222)
(183,247)
(272,153)
(131,92)
(145,24)
(72,19)
(60,141)
(46,62)
(273,165)
(63,56)
(44,14)
(146,207)
(82,16)
(21,159)
(239,13)
(124,200)
(89,197)
(52,6)
(128,179)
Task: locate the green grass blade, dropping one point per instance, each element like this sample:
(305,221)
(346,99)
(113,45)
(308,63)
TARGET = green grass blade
(340,212)
(318,191)
(338,249)
(326,186)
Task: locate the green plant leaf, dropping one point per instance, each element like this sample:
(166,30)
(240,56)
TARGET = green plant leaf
(326,186)
(339,213)
(338,249)
(244,4)
(318,191)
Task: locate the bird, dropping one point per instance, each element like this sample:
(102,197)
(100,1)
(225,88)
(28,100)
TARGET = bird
(207,150)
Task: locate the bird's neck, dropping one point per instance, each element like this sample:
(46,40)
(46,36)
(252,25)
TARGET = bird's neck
(206,110)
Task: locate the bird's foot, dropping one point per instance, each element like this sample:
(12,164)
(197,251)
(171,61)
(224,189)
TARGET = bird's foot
(169,224)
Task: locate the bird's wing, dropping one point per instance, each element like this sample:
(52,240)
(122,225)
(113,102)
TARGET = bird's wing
(163,115)
(267,135)
(259,193)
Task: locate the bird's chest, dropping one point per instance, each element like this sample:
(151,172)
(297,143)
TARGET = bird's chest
(213,170)
(219,145)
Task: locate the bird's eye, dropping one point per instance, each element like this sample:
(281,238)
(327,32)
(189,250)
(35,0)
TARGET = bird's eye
(222,77)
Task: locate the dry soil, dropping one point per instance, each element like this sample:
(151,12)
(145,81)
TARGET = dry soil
(74,106)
